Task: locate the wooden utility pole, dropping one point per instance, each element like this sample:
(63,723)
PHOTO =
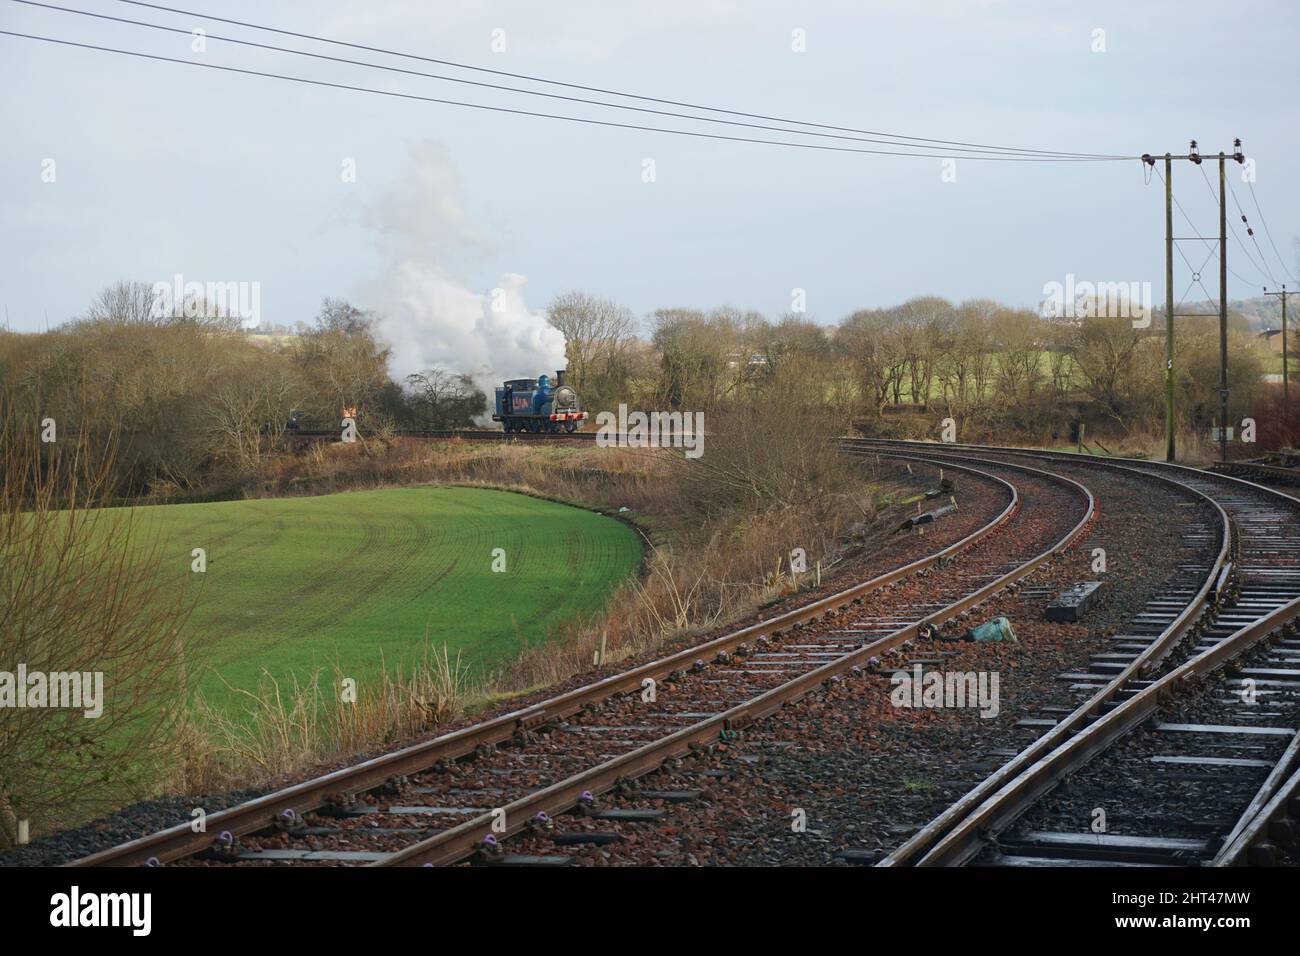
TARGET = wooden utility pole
(1169,308)
(1223,311)
(1194,156)
(1286,377)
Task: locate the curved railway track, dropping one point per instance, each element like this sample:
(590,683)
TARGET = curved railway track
(462,795)
(1210,769)
(464,434)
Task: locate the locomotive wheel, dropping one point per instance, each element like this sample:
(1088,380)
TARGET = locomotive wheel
(570,427)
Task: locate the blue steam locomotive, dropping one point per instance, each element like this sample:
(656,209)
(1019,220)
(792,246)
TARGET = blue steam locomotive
(535,405)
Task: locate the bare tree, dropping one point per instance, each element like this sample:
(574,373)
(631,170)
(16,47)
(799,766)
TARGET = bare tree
(87,606)
(702,357)
(250,408)
(1020,335)
(339,315)
(598,334)
(125,303)
(342,364)
(866,338)
(445,399)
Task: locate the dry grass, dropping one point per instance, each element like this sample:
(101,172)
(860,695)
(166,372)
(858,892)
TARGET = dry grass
(688,588)
(285,728)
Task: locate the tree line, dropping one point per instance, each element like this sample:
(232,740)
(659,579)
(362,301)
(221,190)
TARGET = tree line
(190,397)
(994,369)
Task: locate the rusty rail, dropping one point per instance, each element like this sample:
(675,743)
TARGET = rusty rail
(959,834)
(181,840)
(966,839)
(452,845)
(1269,812)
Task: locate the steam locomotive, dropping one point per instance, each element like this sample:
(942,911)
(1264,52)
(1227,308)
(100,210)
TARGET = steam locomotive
(538,406)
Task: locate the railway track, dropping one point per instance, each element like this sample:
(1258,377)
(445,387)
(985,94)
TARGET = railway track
(1259,472)
(461,796)
(462,434)
(1210,767)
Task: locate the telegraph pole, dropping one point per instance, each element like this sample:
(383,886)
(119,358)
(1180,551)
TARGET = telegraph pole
(1169,308)
(1194,156)
(1223,312)
(1169,290)
(1286,386)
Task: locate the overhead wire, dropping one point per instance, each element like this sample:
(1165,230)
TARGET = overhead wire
(520,112)
(1250,231)
(1267,232)
(943,150)
(1232,226)
(612,92)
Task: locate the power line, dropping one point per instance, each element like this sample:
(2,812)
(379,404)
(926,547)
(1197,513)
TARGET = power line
(1250,232)
(916,140)
(518,112)
(1268,232)
(1233,228)
(514,89)
(1191,225)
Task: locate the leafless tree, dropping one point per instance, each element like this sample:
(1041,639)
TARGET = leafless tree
(598,334)
(445,399)
(83,592)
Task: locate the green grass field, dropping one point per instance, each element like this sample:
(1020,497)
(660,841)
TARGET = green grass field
(295,584)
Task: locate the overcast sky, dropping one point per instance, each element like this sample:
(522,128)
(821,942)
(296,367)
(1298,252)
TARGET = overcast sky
(162,169)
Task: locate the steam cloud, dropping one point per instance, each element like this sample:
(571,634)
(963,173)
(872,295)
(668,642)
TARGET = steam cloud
(428,317)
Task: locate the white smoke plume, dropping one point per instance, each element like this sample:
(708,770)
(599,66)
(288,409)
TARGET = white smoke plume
(430,318)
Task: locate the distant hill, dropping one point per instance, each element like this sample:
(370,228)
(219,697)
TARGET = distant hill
(1263,312)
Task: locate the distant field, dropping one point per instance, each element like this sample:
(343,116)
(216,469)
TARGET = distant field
(294,584)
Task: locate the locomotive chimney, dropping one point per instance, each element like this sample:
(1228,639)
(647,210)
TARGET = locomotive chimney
(559,376)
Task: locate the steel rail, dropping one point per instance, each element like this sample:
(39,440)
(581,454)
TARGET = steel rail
(1208,594)
(322,434)
(457,843)
(257,814)
(1269,808)
(1290,476)
(1144,465)
(963,830)
(921,842)
(968,837)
